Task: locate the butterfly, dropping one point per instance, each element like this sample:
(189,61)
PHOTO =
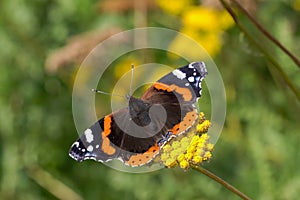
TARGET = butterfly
(136,134)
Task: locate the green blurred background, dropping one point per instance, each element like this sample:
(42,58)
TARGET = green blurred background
(42,44)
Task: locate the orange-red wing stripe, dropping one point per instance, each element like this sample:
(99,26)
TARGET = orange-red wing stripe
(186,123)
(107,125)
(143,158)
(185,92)
(106,147)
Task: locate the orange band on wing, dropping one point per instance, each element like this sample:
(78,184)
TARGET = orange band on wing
(143,158)
(107,125)
(162,86)
(186,123)
(106,147)
(185,92)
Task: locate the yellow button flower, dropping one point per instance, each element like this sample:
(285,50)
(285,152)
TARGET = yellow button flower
(189,149)
(197,159)
(167,148)
(184,164)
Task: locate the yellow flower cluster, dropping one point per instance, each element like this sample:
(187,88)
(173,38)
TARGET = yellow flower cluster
(202,23)
(203,127)
(192,148)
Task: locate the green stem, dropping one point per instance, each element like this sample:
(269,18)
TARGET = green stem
(261,48)
(51,184)
(221,181)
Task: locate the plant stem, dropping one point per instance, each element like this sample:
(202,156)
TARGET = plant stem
(221,181)
(267,34)
(262,49)
(51,184)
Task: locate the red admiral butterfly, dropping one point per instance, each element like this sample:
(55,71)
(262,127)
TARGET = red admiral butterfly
(136,134)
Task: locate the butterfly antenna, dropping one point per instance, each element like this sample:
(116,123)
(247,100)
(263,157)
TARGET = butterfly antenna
(131,80)
(101,92)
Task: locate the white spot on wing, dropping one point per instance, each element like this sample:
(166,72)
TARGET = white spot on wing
(200,81)
(88,135)
(191,79)
(91,158)
(97,146)
(72,156)
(76,144)
(187,84)
(191,65)
(90,148)
(179,74)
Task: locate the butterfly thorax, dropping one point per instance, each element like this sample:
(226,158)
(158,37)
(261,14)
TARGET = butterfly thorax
(139,111)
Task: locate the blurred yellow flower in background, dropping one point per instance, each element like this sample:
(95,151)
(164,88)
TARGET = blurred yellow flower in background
(206,19)
(225,20)
(296,5)
(210,41)
(173,7)
(201,18)
(203,24)
(206,25)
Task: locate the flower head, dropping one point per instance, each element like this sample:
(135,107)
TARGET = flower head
(191,148)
